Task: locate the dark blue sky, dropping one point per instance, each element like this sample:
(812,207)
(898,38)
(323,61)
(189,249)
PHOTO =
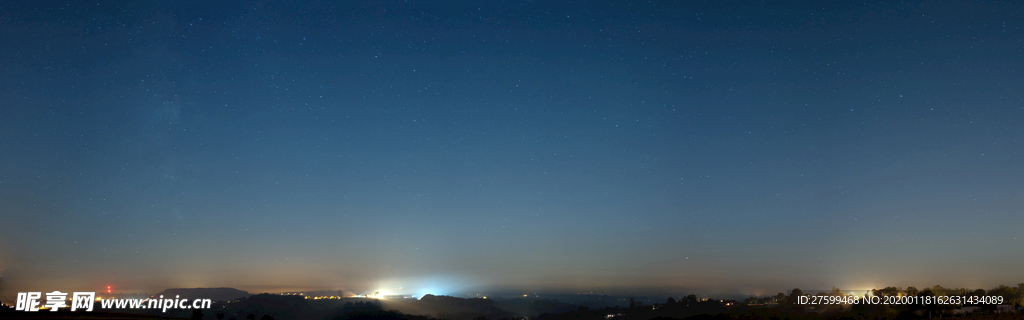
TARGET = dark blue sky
(738,147)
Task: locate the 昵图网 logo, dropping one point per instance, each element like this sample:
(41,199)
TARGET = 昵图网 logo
(32,302)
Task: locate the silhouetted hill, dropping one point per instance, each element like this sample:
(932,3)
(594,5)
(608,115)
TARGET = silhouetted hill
(357,309)
(215,294)
(277,306)
(533,307)
(11,314)
(379,315)
(453,308)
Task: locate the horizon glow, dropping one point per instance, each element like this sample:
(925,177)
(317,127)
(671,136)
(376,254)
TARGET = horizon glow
(514,147)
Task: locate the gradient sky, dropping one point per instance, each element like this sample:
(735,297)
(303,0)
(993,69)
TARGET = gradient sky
(739,147)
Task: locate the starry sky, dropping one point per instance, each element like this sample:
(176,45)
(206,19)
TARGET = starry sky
(444,147)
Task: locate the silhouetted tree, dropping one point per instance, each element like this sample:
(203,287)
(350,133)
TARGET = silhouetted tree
(885,292)
(780,298)
(1008,293)
(251,317)
(793,296)
(670,301)
(691,299)
(927,307)
(978,293)
(911,291)
(266,317)
(1020,295)
(220,316)
(197,314)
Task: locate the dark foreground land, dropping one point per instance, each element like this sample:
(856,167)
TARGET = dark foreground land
(278,307)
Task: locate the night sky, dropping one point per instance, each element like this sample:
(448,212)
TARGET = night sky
(461,146)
